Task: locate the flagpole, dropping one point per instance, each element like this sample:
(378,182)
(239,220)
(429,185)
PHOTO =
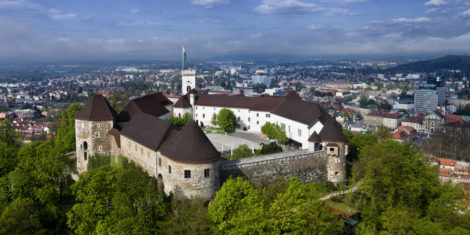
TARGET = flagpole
(182,59)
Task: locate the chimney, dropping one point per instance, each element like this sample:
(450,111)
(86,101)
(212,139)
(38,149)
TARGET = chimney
(192,99)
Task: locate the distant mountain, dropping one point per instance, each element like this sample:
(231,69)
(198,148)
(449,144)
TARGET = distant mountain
(449,62)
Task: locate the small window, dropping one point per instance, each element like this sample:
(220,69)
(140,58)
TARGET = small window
(336,173)
(257,114)
(169,169)
(248,119)
(98,124)
(187,174)
(85,156)
(159,162)
(100,148)
(203,115)
(268,115)
(332,149)
(206,173)
(257,122)
(299,132)
(97,135)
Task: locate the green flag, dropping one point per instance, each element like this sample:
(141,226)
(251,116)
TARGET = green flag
(184,54)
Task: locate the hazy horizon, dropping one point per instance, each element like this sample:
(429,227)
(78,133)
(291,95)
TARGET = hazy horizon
(52,31)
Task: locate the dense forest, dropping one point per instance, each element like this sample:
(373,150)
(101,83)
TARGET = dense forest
(399,193)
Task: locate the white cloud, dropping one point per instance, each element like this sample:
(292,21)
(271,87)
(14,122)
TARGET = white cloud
(436,3)
(313,27)
(297,7)
(432,10)
(60,15)
(134,11)
(411,20)
(285,6)
(137,23)
(209,3)
(465,13)
(353,1)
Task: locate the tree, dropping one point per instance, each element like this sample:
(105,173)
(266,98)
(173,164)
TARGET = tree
(214,120)
(117,200)
(237,208)
(269,148)
(189,216)
(383,132)
(20,217)
(241,151)
(181,121)
(227,120)
(274,131)
(297,211)
(65,140)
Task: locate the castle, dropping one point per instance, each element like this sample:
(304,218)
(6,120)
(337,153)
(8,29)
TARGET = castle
(185,160)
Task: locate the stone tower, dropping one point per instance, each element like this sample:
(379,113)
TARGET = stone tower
(336,149)
(188,81)
(92,124)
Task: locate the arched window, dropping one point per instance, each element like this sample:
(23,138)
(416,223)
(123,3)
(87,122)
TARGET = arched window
(85,145)
(85,156)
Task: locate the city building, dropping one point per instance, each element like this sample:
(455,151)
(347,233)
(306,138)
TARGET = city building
(426,98)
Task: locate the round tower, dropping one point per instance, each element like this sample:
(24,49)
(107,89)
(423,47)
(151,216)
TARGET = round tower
(92,124)
(188,164)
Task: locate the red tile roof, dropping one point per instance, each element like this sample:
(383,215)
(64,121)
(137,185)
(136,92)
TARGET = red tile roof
(447,162)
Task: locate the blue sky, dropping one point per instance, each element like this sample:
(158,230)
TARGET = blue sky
(156,29)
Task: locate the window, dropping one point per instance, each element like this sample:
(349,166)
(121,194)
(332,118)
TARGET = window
(257,114)
(187,174)
(239,110)
(299,132)
(85,145)
(179,115)
(85,156)
(169,169)
(206,173)
(203,115)
(160,162)
(268,115)
(97,135)
(98,125)
(332,149)
(257,122)
(248,119)
(100,148)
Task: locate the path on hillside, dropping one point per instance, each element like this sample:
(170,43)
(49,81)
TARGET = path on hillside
(351,190)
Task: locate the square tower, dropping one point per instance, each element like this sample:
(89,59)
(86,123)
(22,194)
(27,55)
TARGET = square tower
(188,80)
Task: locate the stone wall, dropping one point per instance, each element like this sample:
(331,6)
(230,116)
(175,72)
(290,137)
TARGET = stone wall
(307,166)
(197,185)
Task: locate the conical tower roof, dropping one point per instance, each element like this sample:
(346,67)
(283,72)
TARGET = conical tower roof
(190,145)
(97,109)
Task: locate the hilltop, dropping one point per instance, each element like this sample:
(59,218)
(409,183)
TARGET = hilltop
(449,62)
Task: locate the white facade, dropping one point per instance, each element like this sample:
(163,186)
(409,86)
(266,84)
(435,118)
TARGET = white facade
(189,81)
(253,120)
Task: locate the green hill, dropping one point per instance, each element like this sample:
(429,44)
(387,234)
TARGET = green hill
(449,62)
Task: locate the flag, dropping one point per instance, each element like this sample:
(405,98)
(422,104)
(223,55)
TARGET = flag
(184,54)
